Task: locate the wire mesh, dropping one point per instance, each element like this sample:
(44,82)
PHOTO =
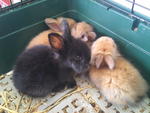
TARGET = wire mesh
(130,12)
(138,4)
(7,5)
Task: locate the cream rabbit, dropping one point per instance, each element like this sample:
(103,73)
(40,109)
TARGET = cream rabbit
(118,80)
(57,22)
(84,32)
(55,27)
(79,30)
(42,38)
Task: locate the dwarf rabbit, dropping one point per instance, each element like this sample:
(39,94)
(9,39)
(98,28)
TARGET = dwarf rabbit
(55,27)
(42,38)
(80,30)
(57,22)
(42,69)
(83,31)
(118,80)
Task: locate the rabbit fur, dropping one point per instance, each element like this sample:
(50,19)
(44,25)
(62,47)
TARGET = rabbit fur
(55,27)
(42,69)
(79,30)
(117,79)
(84,32)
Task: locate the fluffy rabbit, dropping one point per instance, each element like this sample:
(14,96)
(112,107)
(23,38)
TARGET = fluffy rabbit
(42,38)
(80,30)
(55,27)
(58,21)
(118,80)
(83,31)
(42,69)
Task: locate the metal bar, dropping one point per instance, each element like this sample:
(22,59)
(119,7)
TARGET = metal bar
(132,9)
(11,2)
(139,5)
(12,6)
(110,5)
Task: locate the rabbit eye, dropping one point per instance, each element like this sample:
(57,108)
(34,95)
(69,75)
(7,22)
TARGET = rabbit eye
(82,36)
(78,57)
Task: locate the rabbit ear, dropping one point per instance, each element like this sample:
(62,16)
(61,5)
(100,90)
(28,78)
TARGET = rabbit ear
(73,31)
(52,24)
(110,61)
(92,61)
(65,29)
(91,36)
(55,40)
(99,61)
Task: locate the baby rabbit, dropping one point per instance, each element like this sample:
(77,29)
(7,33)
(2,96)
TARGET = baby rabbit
(42,38)
(80,30)
(58,21)
(84,32)
(118,80)
(42,69)
(55,27)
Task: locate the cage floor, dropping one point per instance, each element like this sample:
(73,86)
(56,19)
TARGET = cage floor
(84,99)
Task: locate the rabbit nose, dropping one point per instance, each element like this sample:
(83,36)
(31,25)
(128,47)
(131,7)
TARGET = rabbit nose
(104,49)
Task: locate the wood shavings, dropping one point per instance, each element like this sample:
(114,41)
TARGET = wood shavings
(4,96)
(18,105)
(34,108)
(4,108)
(30,102)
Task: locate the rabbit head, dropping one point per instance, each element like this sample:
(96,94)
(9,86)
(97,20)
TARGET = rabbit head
(83,31)
(74,53)
(104,50)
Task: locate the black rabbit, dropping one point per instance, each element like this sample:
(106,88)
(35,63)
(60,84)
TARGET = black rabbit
(43,69)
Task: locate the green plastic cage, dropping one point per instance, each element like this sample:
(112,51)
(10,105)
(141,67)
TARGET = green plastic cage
(19,25)
(20,22)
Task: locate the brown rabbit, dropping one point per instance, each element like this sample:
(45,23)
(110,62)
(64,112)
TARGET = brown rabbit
(42,38)
(80,30)
(118,80)
(57,22)
(84,32)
